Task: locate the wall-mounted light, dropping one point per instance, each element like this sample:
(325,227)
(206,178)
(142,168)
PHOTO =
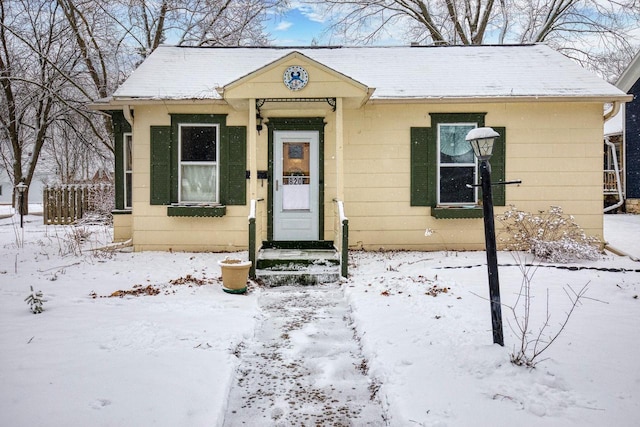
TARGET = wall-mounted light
(258,122)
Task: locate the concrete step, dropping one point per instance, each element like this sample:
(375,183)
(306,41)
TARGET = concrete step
(278,267)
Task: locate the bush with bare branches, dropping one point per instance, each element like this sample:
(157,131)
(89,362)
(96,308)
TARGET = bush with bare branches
(550,236)
(533,341)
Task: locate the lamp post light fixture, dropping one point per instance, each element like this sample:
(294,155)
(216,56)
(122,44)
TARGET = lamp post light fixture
(482,139)
(21,187)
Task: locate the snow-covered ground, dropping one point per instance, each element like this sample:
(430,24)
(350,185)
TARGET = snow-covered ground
(170,359)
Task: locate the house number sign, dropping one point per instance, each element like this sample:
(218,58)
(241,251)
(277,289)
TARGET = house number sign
(295,77)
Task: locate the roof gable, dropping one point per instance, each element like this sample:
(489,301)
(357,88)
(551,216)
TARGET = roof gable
(268,82)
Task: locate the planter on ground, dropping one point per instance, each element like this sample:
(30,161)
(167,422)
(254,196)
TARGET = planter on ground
(234,275)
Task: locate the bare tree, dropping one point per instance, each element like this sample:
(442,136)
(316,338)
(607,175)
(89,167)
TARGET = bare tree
(586,30)
(46,83)
(29,37)
(145,24)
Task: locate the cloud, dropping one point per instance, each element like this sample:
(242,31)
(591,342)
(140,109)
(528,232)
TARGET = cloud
(283,26)
(310,11)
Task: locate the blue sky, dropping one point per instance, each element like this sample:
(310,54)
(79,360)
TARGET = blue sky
(302,23)
(297,27)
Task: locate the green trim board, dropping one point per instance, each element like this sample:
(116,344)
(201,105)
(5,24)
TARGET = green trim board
(456,212)
(296,123)
(197,211)
(161,179)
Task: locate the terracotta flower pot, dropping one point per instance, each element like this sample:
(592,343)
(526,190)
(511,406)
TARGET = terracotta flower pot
(234,275)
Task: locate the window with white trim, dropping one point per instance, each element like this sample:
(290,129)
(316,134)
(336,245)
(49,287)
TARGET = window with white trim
(198,160)
(457,165)
(128,168)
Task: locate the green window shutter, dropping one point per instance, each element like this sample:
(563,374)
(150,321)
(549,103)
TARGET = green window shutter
(160,165)
(422,182)
(234,178)
(498,166)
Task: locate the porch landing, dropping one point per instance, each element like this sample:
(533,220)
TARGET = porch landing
(279,266)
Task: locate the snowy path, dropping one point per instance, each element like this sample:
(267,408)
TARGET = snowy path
(304,366)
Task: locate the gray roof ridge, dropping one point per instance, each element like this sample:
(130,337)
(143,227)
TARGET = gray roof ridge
(326,47)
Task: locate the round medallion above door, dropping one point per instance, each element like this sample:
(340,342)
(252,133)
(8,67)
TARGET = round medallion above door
(295,77)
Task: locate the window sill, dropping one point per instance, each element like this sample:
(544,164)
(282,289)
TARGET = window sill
(456,212)
(197,211)
(121,212)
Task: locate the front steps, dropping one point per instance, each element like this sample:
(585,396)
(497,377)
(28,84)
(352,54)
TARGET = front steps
(297,266)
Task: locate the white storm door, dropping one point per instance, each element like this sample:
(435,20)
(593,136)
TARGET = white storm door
(295,186)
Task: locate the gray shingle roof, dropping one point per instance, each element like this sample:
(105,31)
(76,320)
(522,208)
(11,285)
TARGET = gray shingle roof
(395,72)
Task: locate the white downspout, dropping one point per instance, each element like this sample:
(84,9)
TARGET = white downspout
(612,147)
(126,110)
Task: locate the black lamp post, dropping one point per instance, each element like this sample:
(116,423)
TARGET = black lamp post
(482,139)
(21,187)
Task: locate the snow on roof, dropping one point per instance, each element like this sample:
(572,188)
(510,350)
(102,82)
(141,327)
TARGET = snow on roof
(395,72)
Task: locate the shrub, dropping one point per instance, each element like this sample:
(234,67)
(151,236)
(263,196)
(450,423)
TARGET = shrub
(100,204)
(549,236)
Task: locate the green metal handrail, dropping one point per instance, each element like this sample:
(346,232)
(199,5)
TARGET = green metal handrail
(344,244)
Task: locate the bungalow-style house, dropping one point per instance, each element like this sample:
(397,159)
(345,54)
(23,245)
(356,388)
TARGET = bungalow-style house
(295,141)
(622,143)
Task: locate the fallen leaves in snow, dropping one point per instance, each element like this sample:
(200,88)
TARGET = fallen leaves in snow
(138,290)
(435,290)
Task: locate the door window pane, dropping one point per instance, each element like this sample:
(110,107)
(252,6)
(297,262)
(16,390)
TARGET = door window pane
(296,178)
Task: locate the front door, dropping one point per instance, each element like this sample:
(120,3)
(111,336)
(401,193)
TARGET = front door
(295,185)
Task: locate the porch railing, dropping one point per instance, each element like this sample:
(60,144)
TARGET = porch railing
(342,237)
(255,231)
(610,182)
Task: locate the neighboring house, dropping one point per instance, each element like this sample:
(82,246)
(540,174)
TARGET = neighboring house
(205,137)
(614,185)
(623,130)
(6,189)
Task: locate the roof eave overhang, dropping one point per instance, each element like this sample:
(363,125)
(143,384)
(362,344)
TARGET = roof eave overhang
(500,99)
(118,103)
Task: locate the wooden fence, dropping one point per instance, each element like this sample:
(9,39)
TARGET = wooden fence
(65,204)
